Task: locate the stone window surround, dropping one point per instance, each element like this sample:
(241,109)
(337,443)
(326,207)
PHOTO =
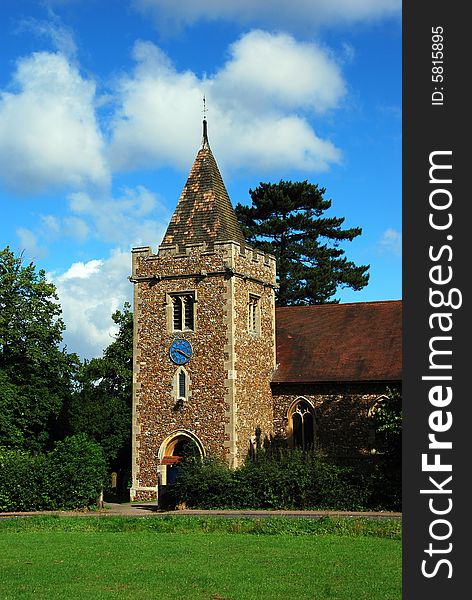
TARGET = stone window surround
(375,404)
(291,410)
(254,314)
(176,396)
(170,310)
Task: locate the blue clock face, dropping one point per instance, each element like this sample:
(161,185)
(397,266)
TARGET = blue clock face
(180,352)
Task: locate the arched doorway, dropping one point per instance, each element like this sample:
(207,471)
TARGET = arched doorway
(176,446)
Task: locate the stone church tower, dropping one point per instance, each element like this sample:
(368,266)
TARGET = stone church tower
(204,336)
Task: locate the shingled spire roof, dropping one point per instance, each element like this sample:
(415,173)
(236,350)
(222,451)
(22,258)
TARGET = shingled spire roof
(204,212)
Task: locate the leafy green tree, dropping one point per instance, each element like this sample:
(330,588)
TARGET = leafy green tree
(387,418)
(101,405)
(386,482)
(35,374)
(285,219)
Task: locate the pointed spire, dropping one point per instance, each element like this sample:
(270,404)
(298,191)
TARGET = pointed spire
(204,212)
(205,142)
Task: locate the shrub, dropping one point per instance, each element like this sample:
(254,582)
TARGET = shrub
(70,476)
(338,488)
(23,481)
(276,480)
(78,471)
(386,485)
(284,479)
(206,483)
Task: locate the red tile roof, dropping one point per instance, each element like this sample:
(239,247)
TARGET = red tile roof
(360,341)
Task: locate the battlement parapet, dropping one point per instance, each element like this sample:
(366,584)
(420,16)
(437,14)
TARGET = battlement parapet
(198,260)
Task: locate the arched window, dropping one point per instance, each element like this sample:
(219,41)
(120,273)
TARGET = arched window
(303,425)
(181,385)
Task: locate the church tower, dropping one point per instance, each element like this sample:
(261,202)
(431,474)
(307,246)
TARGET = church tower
(204,336)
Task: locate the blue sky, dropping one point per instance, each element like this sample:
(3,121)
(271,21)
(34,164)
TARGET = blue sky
(100,120)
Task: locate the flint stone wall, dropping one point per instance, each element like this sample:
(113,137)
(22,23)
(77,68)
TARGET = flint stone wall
(230,369)
(343,429)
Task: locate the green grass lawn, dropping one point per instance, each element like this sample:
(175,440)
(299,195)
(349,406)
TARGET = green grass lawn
(186,559)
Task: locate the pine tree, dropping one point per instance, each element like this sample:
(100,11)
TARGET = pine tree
(286,219)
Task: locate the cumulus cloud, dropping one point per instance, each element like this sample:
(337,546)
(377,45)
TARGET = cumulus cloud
(260,101)
(297,15)
(263,103)
(89,294)
(270,144)
(134,218)
(49,135)
(159,110)
(391,241)
(275,71)
(80,270)
(76,229)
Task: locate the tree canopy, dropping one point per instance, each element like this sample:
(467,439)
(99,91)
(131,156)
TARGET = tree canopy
(101,404)
(35,374)
(48,397)
(387,419)
(286,220)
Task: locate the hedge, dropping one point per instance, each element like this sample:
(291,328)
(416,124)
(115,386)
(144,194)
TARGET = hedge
(288,480)
(70,476)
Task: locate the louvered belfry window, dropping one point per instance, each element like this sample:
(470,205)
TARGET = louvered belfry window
(253,316)
(188,304)
(183,312)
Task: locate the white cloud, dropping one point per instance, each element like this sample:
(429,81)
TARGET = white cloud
(134,218)
(257,103)
(76,228)
(276,71)
(61,37)
(48,130)
(80,270)
(391,241)
(271,144)
(89,294)
(159,110)
(296,15)
(50,225)
(28,242)
(348,53)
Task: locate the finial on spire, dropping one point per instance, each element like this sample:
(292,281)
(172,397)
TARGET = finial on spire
(205,142)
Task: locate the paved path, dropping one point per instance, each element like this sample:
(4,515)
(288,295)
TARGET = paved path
(150,508)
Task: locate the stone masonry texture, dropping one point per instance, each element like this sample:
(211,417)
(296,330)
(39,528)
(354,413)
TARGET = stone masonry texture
(244,379)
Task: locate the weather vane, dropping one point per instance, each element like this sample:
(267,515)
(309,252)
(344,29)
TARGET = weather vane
(205,109)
